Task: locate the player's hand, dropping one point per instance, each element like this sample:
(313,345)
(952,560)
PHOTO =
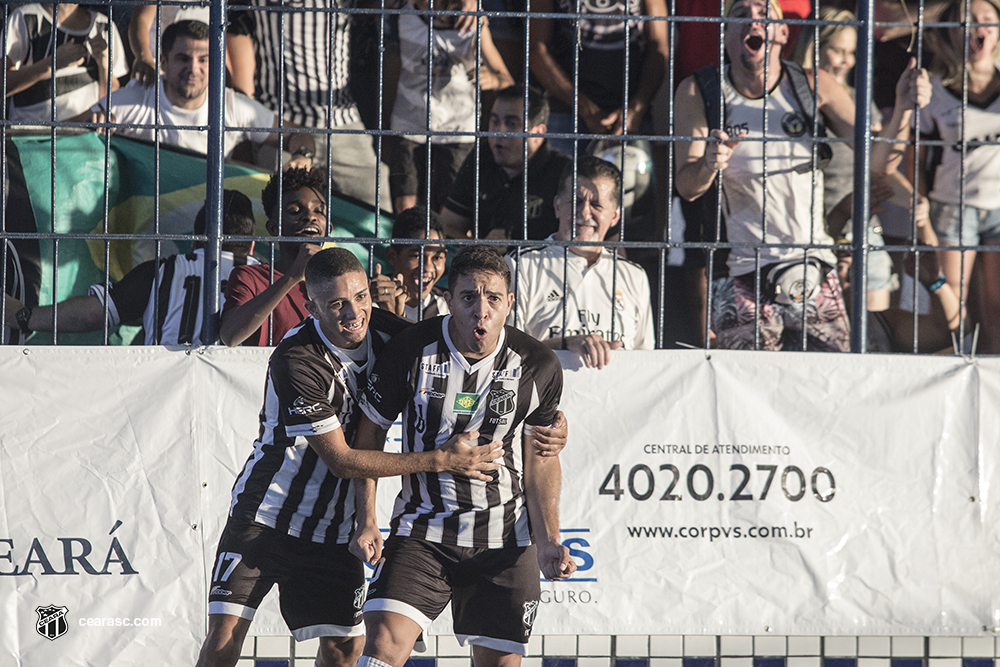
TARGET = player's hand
(462,457)
(717,153)
(367,543)
(388,292)
(554,561)
(593,349)
(99,51)
(10,310)
(300,162)
(914,86)
(549,440)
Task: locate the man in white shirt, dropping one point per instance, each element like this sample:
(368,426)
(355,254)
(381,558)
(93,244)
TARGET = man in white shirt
(605,300)
(183,101)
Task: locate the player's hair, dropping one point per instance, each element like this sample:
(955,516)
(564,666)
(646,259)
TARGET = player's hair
(538,102)
(291,180)
(237,220)
(949,53)
(478,259)
(411,223)
(329,264)
(195,30)
(592,167)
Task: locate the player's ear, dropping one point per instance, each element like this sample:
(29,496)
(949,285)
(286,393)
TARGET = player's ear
(391,256)
(271,226)
(311,307)
(447,298)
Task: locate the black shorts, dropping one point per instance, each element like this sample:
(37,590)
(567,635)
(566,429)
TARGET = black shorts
(321,587)
(494,592)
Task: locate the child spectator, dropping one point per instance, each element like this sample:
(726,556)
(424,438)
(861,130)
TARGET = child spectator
(452,100)
(81,40)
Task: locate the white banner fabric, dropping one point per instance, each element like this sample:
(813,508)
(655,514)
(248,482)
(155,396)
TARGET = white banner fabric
(722,493)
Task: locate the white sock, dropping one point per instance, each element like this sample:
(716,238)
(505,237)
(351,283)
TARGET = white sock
(368,661)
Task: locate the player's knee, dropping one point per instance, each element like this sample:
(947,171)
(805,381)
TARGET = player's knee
(389,637)
(339,651)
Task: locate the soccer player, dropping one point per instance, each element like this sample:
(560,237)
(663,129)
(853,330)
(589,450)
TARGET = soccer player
(478,543)
(292,505)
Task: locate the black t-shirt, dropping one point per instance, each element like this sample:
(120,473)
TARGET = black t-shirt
(501,199)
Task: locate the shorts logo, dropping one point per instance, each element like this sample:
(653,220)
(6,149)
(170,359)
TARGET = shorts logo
(301,407)
(501,401)
(466,404)
(219,590)
(434,370)
(359,598)
(793,124)
(530,609)
(51,621)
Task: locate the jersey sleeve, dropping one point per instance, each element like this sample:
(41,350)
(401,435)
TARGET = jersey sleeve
(302,389)
(386,392)
(548,378)
(17,38)
(645,337)
(240,287)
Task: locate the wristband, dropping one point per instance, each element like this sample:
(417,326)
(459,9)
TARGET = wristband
(937,284)
(23,316)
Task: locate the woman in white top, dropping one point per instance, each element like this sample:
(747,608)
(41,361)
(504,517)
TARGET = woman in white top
(965,186)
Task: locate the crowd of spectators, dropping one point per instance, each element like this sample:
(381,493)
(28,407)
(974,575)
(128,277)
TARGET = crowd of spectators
(757,121)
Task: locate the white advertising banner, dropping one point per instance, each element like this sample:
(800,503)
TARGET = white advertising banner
(722,493)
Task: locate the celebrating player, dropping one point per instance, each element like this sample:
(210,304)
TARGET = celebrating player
(456,537)
(293,503)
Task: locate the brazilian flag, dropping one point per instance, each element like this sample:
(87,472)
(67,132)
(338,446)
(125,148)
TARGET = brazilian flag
(138,179)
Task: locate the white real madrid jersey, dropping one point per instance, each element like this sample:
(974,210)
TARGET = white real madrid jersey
(586,296)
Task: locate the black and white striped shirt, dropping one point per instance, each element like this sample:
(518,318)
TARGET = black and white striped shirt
(440,393)
(313,63)
(312,388)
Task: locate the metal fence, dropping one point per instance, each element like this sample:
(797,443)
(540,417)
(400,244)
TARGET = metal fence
(681,316)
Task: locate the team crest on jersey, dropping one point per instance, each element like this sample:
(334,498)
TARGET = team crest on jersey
(530,610)
(793,124)
(51,621)
(466,404)
(501,401)
(619,300)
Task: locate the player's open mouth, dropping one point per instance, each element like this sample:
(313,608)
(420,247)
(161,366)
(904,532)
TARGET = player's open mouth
(357,325)
(479,333)
(754,42)
(976,43)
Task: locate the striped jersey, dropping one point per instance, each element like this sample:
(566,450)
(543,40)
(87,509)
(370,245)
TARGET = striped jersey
(312,388)
(305,69)
(440,393)
(168,299)
(15,287)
